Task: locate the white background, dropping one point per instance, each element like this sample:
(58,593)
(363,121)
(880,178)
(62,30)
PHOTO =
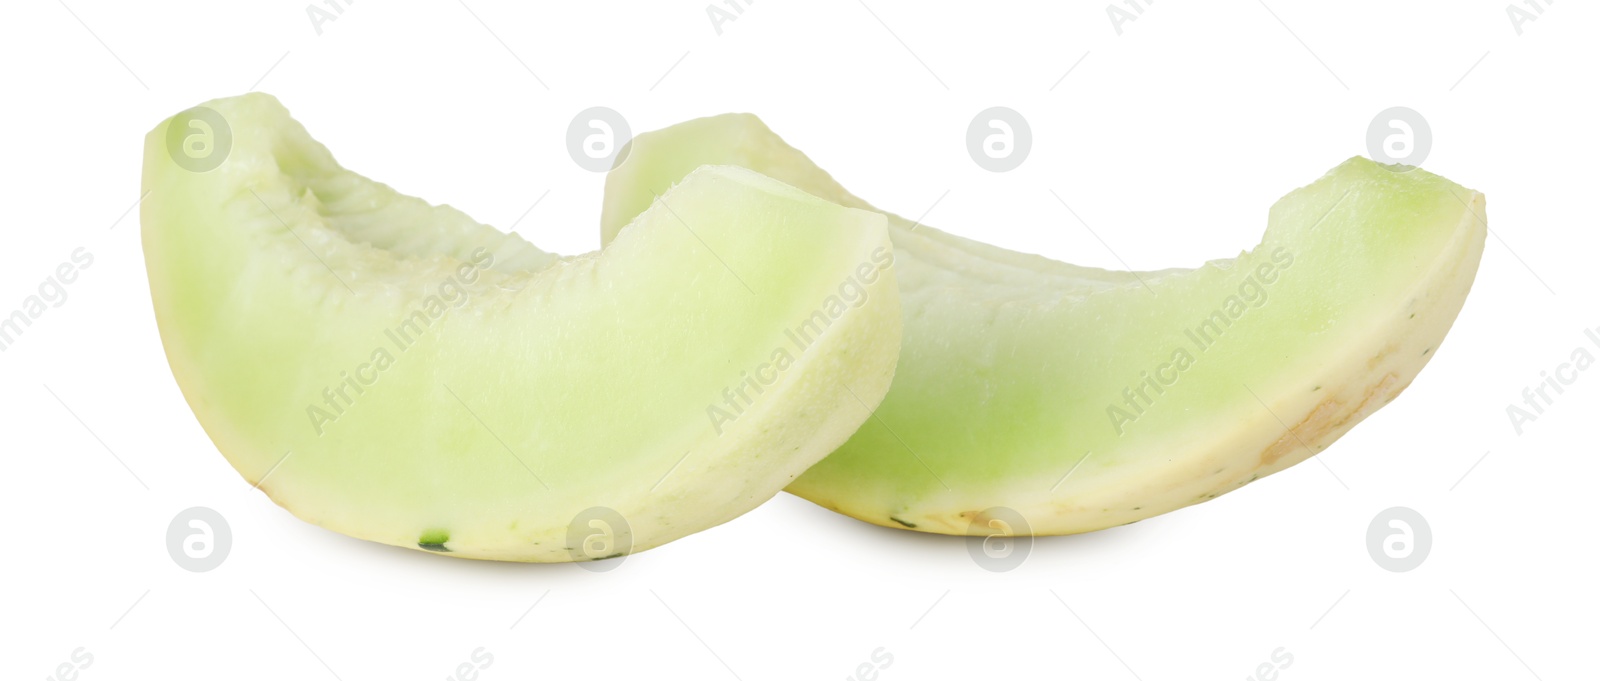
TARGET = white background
(1170,140)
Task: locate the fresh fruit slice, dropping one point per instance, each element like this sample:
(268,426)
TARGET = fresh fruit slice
(1082,398)
(397,372)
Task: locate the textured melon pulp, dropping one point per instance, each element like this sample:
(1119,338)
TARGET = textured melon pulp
(398,372)
(1083,398)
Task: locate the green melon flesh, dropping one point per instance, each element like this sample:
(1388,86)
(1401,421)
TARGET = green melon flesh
(1083,398)
(520,389)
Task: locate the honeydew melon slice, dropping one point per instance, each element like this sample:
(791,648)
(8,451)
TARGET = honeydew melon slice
(397,372)
(1081,398)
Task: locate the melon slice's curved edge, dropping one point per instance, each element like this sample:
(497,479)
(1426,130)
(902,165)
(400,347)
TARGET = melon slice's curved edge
(1287,430)
(657,158)
(818,402)
(1348,384)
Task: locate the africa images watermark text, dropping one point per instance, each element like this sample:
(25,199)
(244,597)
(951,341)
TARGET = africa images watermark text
(852,292)
(340,396)
(1552,384)
(1140,397)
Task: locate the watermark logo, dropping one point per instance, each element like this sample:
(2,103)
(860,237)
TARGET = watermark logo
(596,535)
(999,139)
(999,539)
(597,139)
(199,139)
(1399,539)
(199,539)
(1399,137)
